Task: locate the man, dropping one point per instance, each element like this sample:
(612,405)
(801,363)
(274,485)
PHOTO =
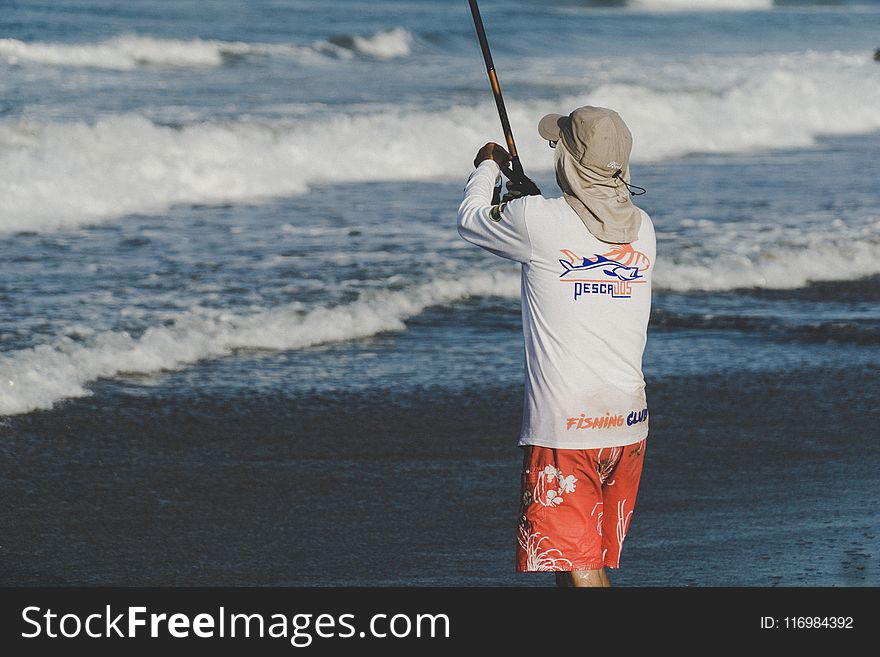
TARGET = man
(587,260)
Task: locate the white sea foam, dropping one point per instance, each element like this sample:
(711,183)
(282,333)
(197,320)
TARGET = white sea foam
(130,51)
(39,377)
(390,44)
(701,5)
(776,101)
(55,175)
(765,265)
(122,52)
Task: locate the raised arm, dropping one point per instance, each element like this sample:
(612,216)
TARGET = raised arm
(500,229)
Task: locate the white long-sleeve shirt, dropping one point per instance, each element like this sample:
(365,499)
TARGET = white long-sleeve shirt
(585,309)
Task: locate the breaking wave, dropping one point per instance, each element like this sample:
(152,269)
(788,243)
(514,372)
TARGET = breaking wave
(768,266)
(700,5)
(61,175)
(130,51)
(38,377)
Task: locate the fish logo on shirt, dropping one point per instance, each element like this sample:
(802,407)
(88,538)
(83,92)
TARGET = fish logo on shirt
(612,273)
(608,267)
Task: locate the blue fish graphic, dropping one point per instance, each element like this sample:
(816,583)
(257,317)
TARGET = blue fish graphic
(608,267)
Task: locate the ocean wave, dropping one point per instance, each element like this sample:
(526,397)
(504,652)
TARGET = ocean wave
(818,257)
(855,332)
(390,44)
(39,377)
(865,333)
(700,5)
(58,175)
(763,102)
(130,51)
(707,321)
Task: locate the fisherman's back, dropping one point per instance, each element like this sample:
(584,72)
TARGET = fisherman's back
(585,305)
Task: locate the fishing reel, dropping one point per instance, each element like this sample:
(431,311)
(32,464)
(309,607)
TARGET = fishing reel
(518,184)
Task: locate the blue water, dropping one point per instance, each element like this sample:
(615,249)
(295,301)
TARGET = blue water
(232,224)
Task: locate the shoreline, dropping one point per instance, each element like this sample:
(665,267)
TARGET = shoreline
(367,488)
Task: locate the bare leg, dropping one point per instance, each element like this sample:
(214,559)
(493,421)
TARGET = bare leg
(583,578)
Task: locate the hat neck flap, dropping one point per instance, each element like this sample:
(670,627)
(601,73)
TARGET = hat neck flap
(602,201)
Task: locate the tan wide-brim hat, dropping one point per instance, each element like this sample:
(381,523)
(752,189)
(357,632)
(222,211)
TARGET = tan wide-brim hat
(592,168)
(595,136)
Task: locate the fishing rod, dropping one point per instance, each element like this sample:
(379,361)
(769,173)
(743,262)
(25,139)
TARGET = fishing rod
(515,174)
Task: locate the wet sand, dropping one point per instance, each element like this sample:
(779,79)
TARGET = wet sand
(750,480)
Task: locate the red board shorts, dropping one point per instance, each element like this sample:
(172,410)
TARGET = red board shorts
(576,506)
